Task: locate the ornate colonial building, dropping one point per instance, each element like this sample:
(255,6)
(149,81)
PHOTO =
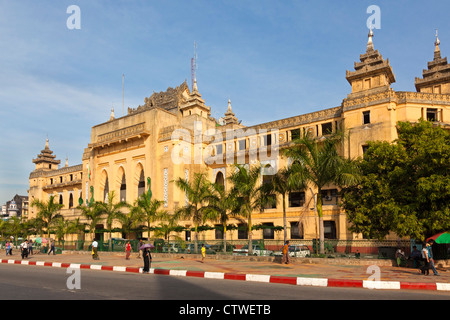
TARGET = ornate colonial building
(173,135)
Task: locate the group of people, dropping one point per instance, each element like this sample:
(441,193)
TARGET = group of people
(422,259)
(427,259)
(26,248)
(146,255)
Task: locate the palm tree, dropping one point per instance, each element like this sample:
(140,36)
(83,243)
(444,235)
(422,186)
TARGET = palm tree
(147,210)
(248,195)
(220,205)
(167,226)
(319,163)
(15,227)
(196,192)
(112,211)
(282,183)
(47,212)
(62,227)
(92,213)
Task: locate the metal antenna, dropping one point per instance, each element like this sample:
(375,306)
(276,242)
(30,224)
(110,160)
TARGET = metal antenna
(194,66)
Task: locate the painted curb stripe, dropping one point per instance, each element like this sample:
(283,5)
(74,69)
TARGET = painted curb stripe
(345,283)
(370,284)
(300,281)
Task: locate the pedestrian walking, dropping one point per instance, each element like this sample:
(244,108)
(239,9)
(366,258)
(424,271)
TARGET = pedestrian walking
(416,256)
(147,260)
(426,261)
(94,250)
(431,260)
(52,248)
(400,256)
(30,247)
(203,252)
(285,252)
(8,248)
(24,249)
(128,250)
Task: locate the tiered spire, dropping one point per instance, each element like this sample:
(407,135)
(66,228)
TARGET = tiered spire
(229,115)
(436,79)
(372,73)
(46,159)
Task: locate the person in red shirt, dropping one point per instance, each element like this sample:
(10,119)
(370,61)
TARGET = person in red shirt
(128,250)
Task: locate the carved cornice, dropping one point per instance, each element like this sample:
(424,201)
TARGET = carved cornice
(399,97)
(58,172)
(116,136)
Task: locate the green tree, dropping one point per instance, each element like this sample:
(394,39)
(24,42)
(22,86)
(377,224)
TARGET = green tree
(92,213)
(111,211)
(47,212)
(282,183)
(197,192)
(248,194)
(319,164)
(168,225)
(220,205)
(405,186)
(148,210)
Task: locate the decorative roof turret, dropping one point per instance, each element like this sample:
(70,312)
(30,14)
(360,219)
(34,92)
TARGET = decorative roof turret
(436,79)
(46,159)
(229,115)
(372,74)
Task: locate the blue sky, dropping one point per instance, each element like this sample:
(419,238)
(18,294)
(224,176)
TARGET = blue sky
(273,59)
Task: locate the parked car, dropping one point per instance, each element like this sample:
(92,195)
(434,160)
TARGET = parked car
(296,250)
(256,251)
(190,248)
(174,248)
(219,247)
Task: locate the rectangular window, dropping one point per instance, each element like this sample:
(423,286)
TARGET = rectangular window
(329,229)
(296,199)
(242,144)
(296,233)
(364,148)
(268,232)
(295,134)
(219,232)
(219,149)
(432,114)
(366,117)
(242,231)
(268,140)
(327,128)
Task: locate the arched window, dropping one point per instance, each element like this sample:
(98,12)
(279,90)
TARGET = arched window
(123,189)
(220,180)
(104,186)
(70,200)
(141,184)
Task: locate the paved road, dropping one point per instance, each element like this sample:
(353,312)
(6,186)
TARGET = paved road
(43,283)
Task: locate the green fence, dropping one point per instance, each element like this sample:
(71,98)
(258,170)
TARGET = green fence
(265,247)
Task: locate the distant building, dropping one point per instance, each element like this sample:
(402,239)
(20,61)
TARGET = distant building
(17,207)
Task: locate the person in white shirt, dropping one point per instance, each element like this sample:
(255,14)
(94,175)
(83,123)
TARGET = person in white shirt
(94,250)
(24,249)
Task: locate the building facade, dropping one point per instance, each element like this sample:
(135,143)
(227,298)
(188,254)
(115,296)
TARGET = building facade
(172,135)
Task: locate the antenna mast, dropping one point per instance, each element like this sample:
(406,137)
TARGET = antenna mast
(194,66)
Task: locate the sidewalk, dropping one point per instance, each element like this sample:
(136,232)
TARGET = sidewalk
(316,273)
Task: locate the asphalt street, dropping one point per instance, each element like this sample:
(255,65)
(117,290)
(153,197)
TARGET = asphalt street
(21,282)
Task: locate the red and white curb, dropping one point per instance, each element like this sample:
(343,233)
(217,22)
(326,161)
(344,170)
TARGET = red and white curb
(300,281)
